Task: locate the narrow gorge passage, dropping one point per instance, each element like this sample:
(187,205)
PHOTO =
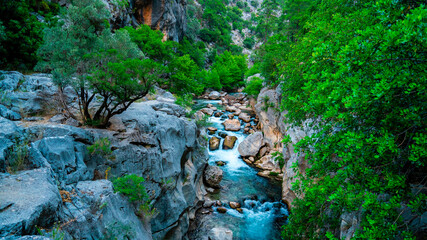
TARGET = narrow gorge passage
(262,212)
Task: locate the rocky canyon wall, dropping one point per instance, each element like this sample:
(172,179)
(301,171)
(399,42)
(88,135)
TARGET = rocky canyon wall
(64,183)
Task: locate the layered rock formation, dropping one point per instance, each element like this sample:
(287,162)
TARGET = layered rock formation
(271,122)
(153,139)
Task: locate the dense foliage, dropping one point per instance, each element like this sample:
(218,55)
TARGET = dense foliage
(21,31)
(356,71)
(83,53)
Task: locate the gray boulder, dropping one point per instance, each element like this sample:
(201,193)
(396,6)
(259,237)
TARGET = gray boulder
(207,111)
(245,117)
(220,233)
(9,80)
(213,176)
(28,199)
(96,212)
(214,95)
(9,129)
(232,125)
(66,158)
(251,145)
(11,115)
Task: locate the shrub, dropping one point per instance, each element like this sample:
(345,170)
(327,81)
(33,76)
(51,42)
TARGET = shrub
(102,147)
(132,187)
(253,87)
(254,3)
(249,42)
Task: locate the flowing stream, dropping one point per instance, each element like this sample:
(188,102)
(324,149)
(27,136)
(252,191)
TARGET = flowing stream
(263,213)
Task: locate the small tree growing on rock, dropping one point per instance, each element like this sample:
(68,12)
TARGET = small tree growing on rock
(102,66)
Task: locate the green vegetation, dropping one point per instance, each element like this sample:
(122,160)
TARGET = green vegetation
(96,61)
(254,87)
(102,147)
(132,186)
(357,70)
(21,33)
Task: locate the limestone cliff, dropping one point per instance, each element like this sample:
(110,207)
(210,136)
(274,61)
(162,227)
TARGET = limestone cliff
(168,16)
(64,183)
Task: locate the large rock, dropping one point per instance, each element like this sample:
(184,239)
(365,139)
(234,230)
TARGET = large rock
(66,158)
(207,111)
(11,115)
(213,176)
(214,95)
(232,125)
(214,143)
(9,129)
(94,211)
(251,145)
(220,234)
(28,199)
(245,117)
(229,142)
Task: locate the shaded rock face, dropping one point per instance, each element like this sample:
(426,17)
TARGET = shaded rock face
(152,139)
(272,125)
(168,16)
(213,176)
(28,199)
(251,145)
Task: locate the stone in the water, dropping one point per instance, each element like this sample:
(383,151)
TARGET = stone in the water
(229,142)
(222,210)
(209,105)
(207,111)
(218,114)
(239,210)
(234,205)
(222,134)
(220,163)
(214,95)
(245,117)
(232,125)
(251,145)
(212,130)
(208,203)
(214,143)
(213,176)
(230,116)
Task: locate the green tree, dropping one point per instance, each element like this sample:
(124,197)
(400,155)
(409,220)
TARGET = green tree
(82,52)
(22,32)
(357,73)
(230,69)
(183,72)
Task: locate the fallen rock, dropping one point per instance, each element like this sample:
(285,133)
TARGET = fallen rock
(220,163)
(222,134)
(214,143)
(222,210)
(28,199)
(213,176)
(251,145)
(230,116)
(72,122)
(207,111)
(263,151)
(229,142)
(9,114)
(230,108)
(218,114)
(208,203)
(212,130)
(234,205)
(231,125)
(214,95)
(59,118)
(245,117)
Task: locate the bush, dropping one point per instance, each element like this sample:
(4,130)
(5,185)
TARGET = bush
(253,87)
(132,187)
(249,43)
(102,147)
(254,3)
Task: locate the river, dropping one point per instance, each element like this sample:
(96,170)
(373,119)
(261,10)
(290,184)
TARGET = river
(263,213)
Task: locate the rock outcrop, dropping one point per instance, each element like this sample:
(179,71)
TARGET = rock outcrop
(271,122)
(152,139)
